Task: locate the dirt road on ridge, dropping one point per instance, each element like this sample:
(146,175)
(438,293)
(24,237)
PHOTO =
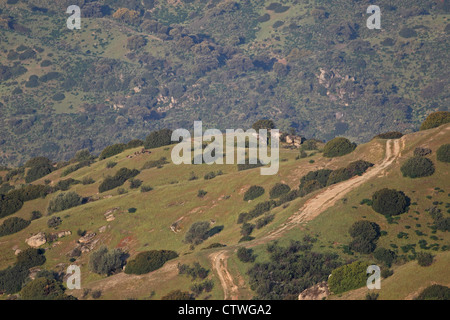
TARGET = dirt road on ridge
(311,209)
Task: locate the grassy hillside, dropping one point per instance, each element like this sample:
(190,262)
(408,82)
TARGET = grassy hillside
(174,199)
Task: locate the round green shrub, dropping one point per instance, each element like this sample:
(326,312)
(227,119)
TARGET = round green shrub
(417,167)
(253,192)
(278,190)
(338,147)
(389,202)
(443,153)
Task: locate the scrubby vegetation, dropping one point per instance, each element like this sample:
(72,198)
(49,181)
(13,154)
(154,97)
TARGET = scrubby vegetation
(118,179)
(435,292)
(158,139)
(253,192)
(148,261)
(290,270)
(417,167)
(64,201)
(364,234)
(443,153)
(338,147)
(278,190)
(105,261)
(389,135)
(13,225)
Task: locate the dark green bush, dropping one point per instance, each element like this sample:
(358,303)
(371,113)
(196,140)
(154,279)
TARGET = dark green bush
(43,289)
(105,261)
(64,185)
(158,139)
(148,261)
(253,192)
(338,147)
(385,255)
(436,119)
(321,176)
(135,183)
(278,190)
(122,175)
(196,271)
(389,202)
(435,292)
(407,33)
(309,187)
(417,167)
(53,222)
(112,150)
(64,201)
(197,233)
(155,163)
(13,225)
(262,222)
(389,135)
(364,234)
(424,259)
(30,258)
(178,295)
(421,152)
(38,172)
(245,255)
(443,153)
(338,175)
(357,168)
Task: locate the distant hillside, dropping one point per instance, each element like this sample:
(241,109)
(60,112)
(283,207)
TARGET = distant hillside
(137,66)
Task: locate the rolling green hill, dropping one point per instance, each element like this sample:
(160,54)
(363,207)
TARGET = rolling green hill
(318,222)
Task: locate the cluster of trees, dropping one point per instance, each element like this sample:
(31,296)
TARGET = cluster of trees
(13,277)
(158,139)
(364,234)
(245,255)
(64,201)
(148,261)
(108,262)
(118,179)
(435,120)
(290,270)
(13,225)
(315,180)
(13,201)
(38,167)
(338,147)
(196,271)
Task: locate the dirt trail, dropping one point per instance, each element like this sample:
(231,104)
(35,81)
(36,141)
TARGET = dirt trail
(311,209)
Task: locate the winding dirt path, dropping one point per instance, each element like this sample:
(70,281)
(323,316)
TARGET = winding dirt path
(311,209)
